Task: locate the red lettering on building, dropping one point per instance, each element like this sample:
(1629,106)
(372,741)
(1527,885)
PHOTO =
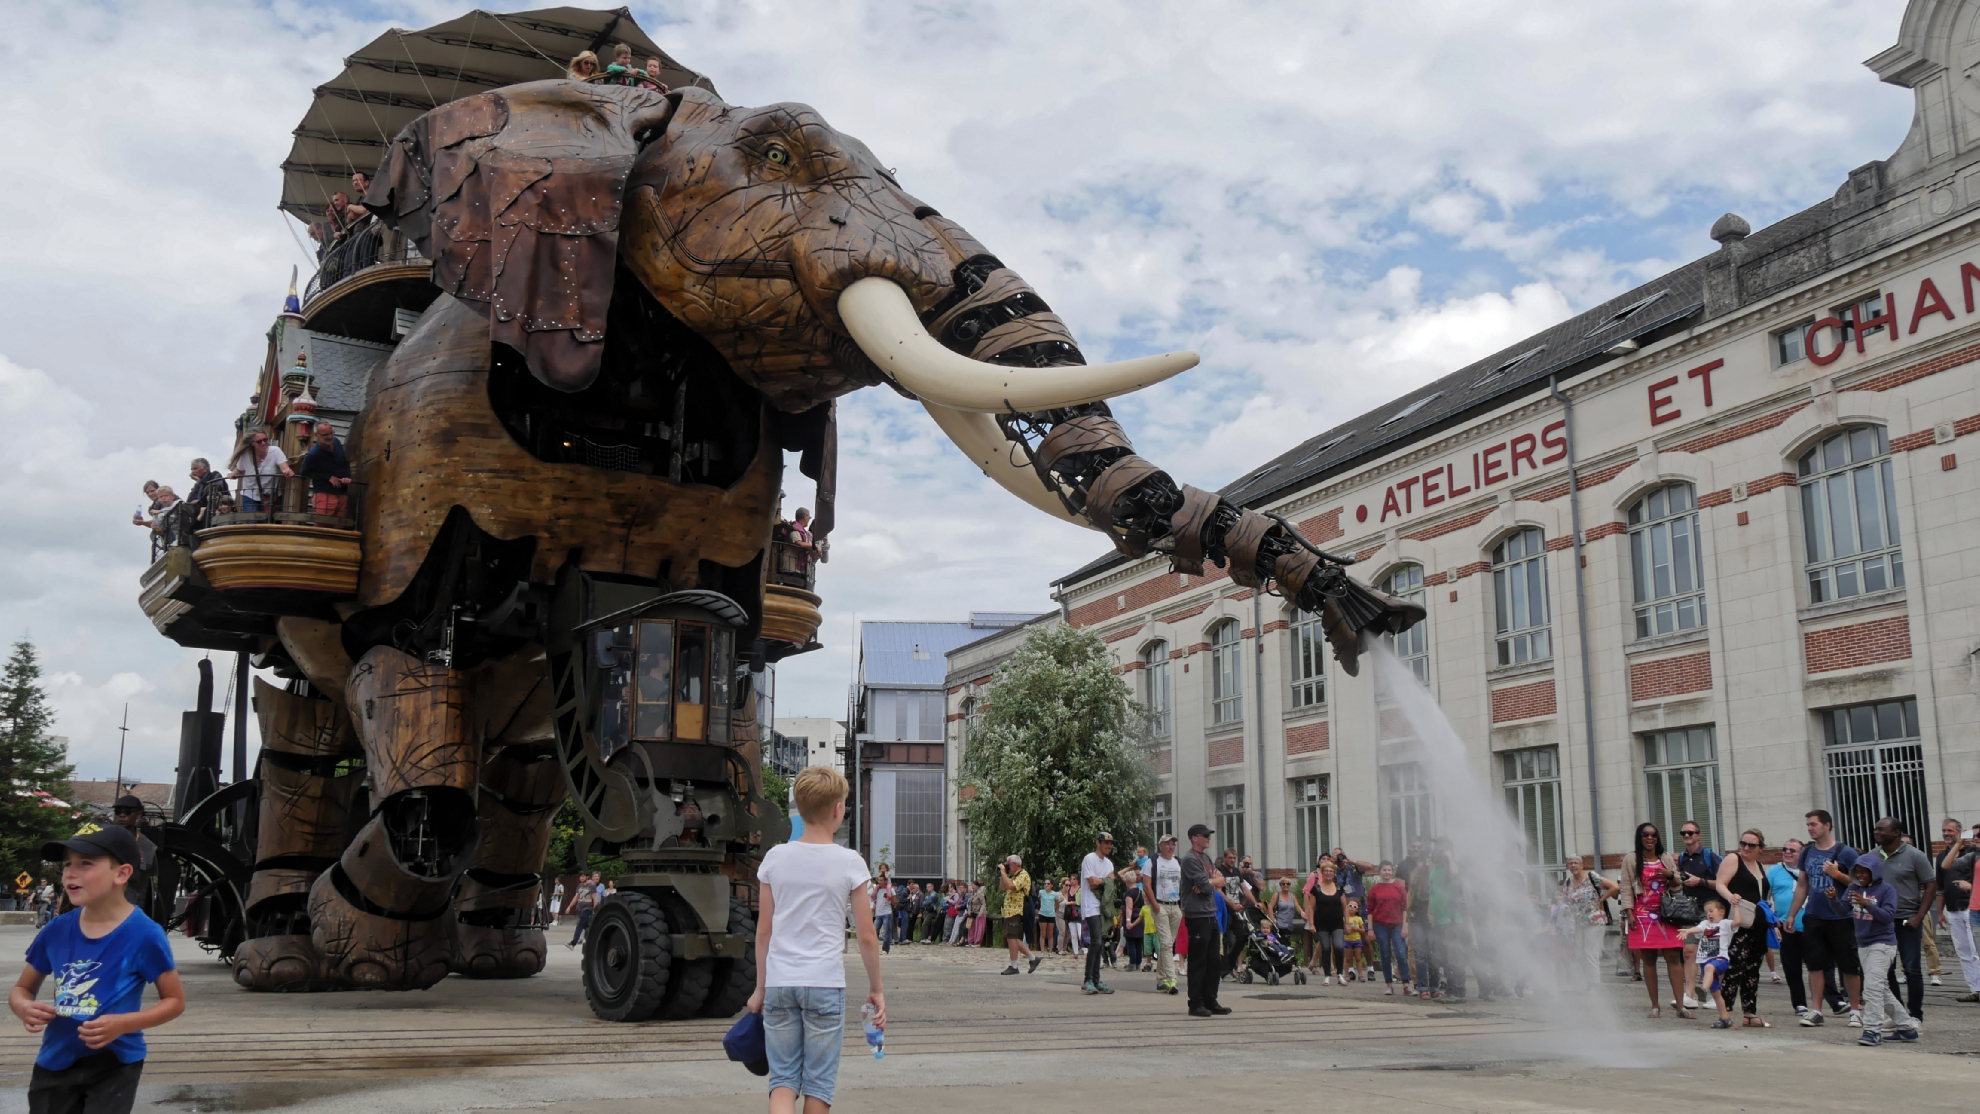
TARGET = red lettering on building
(1526,454)
(1491,464)
(1930,301)
(1967,273)
(1558,444)
(1404,486)
(1431,480)
(1661,409)
(1808,341)
(1885,320)
(1704,371)
(1390,506)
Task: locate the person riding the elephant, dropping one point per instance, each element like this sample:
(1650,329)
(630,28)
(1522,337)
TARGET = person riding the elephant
(584,65)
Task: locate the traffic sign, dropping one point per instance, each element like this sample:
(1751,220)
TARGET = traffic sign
(24,880)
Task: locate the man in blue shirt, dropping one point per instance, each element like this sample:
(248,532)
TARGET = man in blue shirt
(1828,930)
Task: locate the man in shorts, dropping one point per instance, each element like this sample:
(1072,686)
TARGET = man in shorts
(1828,931)
(1162,884)
(1015,886)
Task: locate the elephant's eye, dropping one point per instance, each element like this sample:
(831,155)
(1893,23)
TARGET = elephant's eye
(777,154)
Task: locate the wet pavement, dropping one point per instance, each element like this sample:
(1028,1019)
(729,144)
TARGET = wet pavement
(961,1034)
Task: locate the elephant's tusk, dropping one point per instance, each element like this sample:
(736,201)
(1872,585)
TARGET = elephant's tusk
(979,438)
(883,323)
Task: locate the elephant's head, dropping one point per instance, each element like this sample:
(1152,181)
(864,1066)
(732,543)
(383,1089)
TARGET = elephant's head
(792,250)
(749,225)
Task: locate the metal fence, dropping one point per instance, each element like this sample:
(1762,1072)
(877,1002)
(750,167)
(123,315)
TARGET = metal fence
(368,245)
(290,500)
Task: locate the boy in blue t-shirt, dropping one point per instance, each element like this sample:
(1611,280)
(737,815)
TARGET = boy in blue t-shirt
(101,954)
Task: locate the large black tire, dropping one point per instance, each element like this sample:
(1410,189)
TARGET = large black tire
(688,980)
(735,979)
(628,958)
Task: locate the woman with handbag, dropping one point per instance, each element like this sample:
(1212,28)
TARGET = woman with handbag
(1584,909)
(1650,880)
(1744,886)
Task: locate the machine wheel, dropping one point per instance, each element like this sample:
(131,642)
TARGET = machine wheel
(735,979)
(689,980)
(628,958)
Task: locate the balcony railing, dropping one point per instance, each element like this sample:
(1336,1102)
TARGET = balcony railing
(290,501)
(368,245)
(792,566)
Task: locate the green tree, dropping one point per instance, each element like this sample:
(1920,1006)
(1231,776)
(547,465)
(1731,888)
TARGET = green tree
(776,790)
(30,759)
(1059,754)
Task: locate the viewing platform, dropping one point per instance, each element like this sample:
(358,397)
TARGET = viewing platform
(790,607)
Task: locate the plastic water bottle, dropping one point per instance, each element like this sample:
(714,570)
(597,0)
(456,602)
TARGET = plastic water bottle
(875,1035)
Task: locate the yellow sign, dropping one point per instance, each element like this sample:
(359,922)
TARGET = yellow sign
(24,880)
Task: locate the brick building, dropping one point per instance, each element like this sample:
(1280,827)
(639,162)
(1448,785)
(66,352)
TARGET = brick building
(1778,519)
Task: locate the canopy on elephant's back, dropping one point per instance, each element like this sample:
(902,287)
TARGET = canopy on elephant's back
(399,75)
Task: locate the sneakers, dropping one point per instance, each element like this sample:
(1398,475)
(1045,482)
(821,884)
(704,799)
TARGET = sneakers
(1088,988)
(1011,970)
(1905,1035)
(1691,1003)
(1035,961)
(1870,1039)
(1774,975)
(1811,1018)
(1102,988)
(1328,981)
(1166,986)
(1801,1011)
(1856,1019)
(1937,981)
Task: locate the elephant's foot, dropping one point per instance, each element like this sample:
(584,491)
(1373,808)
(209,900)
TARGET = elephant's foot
(482,952)
(373,951)
(282,963)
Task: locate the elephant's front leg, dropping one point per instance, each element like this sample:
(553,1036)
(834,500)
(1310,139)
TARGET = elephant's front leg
(381,915)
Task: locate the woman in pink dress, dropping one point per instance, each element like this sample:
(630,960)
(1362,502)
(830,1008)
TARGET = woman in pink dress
(1646,871)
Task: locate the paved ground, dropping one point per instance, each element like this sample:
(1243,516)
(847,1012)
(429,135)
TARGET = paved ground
(958,1025)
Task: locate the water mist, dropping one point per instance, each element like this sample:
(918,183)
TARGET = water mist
(1507,940)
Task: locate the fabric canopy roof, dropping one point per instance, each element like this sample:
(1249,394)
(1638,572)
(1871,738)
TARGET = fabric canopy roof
(401,74)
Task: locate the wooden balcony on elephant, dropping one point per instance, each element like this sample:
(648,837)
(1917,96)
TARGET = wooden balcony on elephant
(277,550)
(791,612)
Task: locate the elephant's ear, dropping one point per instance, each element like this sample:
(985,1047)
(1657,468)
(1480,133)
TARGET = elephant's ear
(515,196)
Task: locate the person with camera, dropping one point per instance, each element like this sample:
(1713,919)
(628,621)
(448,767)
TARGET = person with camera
(1955,898)
(1016,885)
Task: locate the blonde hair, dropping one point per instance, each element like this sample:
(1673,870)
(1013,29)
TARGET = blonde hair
(582,56)
(817,789)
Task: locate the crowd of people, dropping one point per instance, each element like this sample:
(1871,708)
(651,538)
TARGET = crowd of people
(259,468)
(1851,933)
(584,67)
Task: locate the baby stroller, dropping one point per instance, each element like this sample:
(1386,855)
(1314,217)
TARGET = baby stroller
(1266,958)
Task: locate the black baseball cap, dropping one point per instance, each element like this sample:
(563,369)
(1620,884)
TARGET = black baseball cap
(127,802)
(1200,830)
(95,839)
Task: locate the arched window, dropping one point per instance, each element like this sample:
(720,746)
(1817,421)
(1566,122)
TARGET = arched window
(1412,645)
(1309,660)
(1226,674)
(1849,515)
(1519,586)
(1155,687)
(1663,554)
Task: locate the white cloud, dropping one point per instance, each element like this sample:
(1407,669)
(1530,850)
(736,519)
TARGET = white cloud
(1333,204)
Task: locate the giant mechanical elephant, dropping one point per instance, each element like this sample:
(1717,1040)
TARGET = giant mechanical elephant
(572,464)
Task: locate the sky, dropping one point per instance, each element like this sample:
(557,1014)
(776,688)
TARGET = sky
(1332,201)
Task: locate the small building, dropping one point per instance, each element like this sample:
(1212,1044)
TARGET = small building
(972,669)
(812,741)
(97,795)
(898,769)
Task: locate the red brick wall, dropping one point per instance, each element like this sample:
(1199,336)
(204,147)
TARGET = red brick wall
(1590,479)
(1128,633)
(1523,701)
(1861,644)
(1655,680)
(1227,752)
(1943,362)
(1746,428)
(1307,738)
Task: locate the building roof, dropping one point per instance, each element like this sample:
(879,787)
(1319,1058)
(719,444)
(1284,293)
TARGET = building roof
(103,793)
(916,653)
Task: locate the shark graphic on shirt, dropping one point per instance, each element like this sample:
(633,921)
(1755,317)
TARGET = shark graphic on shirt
(73,984)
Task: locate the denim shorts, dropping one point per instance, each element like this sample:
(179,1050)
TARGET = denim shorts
(803,1027)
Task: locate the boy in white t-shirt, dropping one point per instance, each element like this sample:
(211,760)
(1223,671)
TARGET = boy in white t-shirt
(800,945)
